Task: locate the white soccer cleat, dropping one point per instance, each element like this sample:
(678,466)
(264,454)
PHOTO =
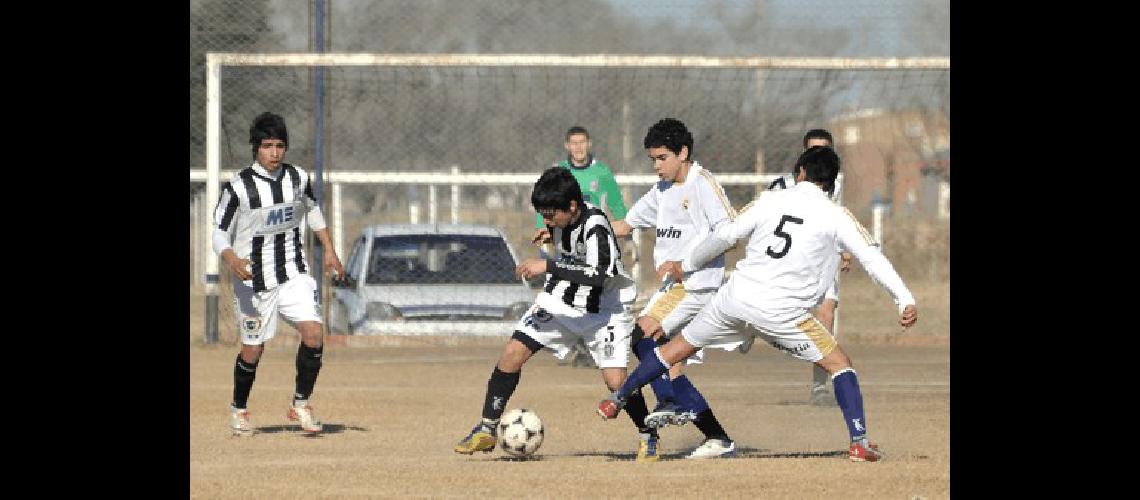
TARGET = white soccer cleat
(714,448)
(304,415)
(239,422)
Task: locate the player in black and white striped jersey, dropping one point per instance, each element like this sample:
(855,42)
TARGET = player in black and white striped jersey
(581,300)
(825,312)
(258,233)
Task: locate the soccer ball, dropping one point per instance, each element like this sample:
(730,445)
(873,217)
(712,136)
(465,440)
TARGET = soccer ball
(520,432)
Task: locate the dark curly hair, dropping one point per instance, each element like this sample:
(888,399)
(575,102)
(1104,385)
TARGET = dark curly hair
(820,164)
(554,190)
(671,134)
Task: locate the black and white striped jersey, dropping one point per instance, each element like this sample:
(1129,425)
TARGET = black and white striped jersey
(587,271)
(260,215)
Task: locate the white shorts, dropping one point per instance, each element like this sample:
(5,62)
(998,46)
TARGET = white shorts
(627,296)
(674,307)
(256,312)
(605,334)
(726,321)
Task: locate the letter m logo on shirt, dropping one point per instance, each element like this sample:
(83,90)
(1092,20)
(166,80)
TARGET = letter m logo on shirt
(279,216)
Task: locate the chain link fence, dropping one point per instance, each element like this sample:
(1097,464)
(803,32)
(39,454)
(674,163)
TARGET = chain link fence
(891,127)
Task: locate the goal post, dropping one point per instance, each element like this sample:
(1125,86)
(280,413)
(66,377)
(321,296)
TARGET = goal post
(408,119)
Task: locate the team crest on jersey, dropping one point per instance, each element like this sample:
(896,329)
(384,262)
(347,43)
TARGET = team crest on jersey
(685,203)
(580,248)
(250,325)
(594,185)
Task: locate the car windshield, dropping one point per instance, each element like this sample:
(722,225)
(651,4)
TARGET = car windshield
(440,259)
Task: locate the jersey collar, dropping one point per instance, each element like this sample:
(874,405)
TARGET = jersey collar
(260,170)
(589,162)
(810,187)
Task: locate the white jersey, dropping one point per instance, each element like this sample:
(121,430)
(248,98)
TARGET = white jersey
(683,214)
(786,181)
(260,215)
(793,236)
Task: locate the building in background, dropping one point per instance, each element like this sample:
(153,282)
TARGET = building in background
(900,158)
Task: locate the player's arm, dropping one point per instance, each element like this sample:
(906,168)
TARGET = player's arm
(316,221)
(601,250)
(854,238)
(622,229)
(724,236)
(225,217)
(332,261)
(643,214)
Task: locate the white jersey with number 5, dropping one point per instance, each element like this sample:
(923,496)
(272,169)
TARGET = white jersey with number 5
(793,236)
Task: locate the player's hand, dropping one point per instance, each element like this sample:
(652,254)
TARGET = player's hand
(909,316)
(542,236)
(530,268)
(844,261)
(670,268)
(240,268)
(332,263)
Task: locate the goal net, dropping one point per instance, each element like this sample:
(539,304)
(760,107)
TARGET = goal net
(405,140)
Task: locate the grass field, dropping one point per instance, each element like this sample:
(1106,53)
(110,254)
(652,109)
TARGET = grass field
(393,408)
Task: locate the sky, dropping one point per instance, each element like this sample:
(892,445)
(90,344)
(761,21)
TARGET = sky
(880,25)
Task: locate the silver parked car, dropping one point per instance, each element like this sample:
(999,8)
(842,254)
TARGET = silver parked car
(422,279)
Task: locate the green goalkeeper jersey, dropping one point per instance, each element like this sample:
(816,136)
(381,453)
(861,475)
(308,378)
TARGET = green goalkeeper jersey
(598,188)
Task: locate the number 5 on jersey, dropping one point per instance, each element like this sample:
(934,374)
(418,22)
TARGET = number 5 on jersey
(787,237)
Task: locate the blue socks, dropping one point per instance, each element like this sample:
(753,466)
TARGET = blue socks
(643,349)
(650,368)
(688,397)
(850,402)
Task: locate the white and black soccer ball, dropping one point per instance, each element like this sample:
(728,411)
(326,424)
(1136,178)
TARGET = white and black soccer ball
(520,432)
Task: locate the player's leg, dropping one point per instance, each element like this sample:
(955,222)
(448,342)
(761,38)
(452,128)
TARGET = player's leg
(500,387)
(300,305)
(666,410)
(691,403)
(696,409)
(806,338)
(850,400)
(255,327)
(610,351)
(717,443)
(245,371)
(820,390)
(533,332)
(662,306)
(713,325)
(825,313)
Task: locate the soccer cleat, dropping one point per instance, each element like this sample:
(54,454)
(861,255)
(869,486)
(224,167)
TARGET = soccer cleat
(714,448)
(647,448)
(304,415)
(610,407)
(667,413)
(820,396)
(239,422)
(481,438)
(864,451)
